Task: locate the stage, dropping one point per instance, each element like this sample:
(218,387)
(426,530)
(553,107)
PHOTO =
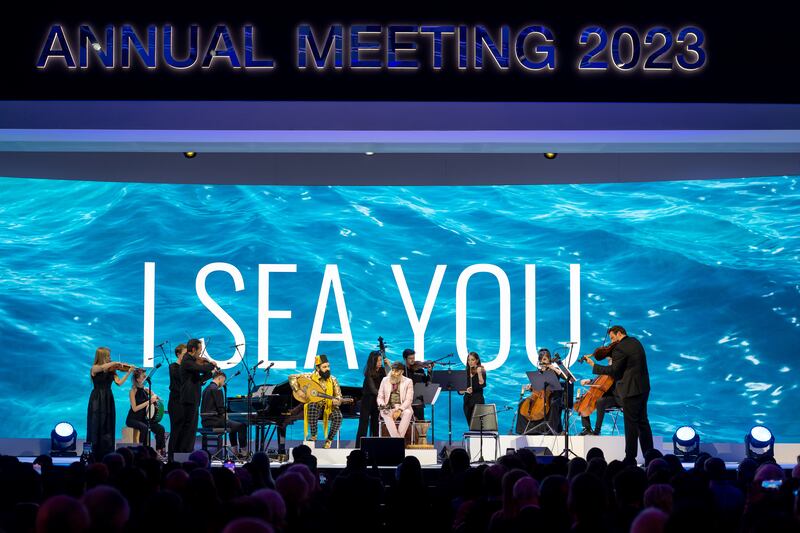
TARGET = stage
(786,454)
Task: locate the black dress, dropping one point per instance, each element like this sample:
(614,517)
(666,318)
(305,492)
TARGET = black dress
(470,400)
(101,418)
(138,420)
(369,415)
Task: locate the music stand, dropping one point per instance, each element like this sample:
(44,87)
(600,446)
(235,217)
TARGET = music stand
(428,393)
(449,381)
(569,378)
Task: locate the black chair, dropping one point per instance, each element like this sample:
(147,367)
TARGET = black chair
(213,436)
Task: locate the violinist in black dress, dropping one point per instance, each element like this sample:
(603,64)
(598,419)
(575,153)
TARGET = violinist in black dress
(476,382)
(101,417)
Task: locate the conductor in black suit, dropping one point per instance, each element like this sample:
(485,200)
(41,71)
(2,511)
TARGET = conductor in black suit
(194,372)
(629,370)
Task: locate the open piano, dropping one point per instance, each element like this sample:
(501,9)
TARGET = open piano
(272,414)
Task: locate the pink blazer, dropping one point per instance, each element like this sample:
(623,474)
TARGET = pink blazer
(406,392)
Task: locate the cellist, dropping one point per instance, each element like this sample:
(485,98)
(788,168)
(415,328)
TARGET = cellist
(547,379)
(607,401)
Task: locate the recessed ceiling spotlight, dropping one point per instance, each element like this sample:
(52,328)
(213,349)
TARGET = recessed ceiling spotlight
(189,155)
(550,155)
(369,153)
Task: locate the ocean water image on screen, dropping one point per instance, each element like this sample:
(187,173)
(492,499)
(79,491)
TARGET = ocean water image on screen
(704,273)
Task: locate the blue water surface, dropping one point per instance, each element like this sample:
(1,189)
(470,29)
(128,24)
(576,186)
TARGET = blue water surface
(705,273)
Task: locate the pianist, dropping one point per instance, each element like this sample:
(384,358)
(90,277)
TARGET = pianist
(212,414)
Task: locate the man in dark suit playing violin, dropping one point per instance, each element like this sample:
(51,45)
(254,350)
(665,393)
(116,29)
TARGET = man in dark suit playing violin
(416,372)
(629,370)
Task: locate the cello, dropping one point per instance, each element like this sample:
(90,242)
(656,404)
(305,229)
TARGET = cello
(587,403)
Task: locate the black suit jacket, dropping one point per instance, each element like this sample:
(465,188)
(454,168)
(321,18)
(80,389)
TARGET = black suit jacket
(194,373)
(628,368)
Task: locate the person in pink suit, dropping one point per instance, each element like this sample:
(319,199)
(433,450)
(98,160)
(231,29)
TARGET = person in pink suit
(394,400)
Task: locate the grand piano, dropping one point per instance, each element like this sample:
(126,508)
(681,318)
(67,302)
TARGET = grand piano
(272,414)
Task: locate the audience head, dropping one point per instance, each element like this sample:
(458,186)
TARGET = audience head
(248,525)
(587,499)
(526,492)
(62,514)
(200,458)
(108,509)
(651,454)
(660,496)
(650,520)
(594,452)
(276,508)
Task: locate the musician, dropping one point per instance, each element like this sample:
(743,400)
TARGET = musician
(416,372)
(212,414)
(194,371)
(629,370)
(394,399)
(101,417)
(174,405)
(607,401)
(328,409)
(374,372)
(476,381)
(138,412)
(548,379)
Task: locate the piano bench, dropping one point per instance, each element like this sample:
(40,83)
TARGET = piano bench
(215,435)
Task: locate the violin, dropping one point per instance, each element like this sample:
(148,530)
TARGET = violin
(124,367)
(600,353)
(421,364)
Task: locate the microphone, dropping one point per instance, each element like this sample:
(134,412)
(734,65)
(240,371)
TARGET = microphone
(271,365)
(258,365)
(158,365)
(236,345)
(162,344)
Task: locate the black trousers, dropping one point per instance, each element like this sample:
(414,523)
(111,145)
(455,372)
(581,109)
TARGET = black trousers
(368,419)
(175,411)
(637,426)
(237,431)
(188,432)
(605,402)
(157,429)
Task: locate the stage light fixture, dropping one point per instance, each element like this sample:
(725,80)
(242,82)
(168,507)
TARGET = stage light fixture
(759,444)
(189,155)
(550,155)
(63,440)
(96,46)
(686,443)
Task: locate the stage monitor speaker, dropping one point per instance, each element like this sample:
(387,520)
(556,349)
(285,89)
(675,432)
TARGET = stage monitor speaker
(544,456)
(384,451)
(488,413)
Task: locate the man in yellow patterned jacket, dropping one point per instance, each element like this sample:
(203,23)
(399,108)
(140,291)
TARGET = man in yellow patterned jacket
(329,408)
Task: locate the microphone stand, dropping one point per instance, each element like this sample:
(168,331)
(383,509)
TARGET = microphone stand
(250,385)
(148,417)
